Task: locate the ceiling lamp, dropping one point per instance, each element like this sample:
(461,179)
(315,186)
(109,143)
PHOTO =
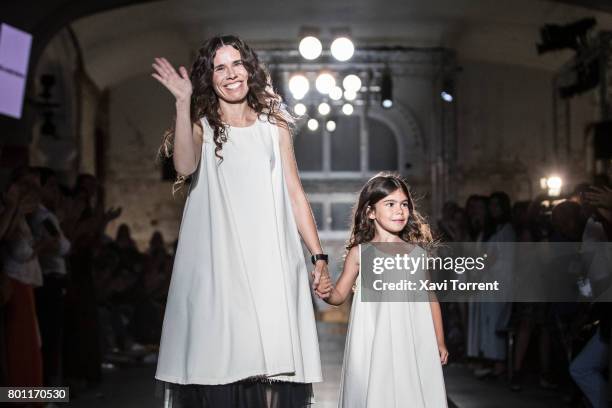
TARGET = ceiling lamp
(310,47)
(352,83)
(386,90)
(335,93)
(330,125)
(324,108)
(299,109)
(299,86)
(325,82)
(350,95)
(313,124)
(347,109)
(342,49)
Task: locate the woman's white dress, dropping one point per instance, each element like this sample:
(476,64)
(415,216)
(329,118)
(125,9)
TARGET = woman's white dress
(239,304)
(391,357)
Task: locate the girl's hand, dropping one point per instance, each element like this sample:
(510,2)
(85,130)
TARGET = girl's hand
(443,353)
(320,270)
(179,85)
(325,287)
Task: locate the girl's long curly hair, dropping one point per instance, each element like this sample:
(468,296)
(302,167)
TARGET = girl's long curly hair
(416,231)
(261,96)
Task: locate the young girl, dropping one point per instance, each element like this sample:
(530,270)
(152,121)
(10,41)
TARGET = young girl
(394,350)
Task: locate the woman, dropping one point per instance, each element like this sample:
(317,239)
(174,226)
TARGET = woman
(239,327)
(19,260)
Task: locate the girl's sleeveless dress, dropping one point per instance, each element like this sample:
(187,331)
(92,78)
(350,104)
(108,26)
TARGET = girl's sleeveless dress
(239,305)
(391,356)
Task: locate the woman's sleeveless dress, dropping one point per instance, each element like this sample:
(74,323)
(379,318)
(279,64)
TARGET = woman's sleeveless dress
(239,304)
(391,356)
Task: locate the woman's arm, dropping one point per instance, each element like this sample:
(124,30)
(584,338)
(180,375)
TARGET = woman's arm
(187,141)
(347,278)
(187,137)
(301,208)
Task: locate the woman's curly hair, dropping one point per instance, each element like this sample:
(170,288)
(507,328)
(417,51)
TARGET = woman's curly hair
(416,231)
(261,96)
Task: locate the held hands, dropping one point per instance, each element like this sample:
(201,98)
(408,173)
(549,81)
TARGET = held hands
(321,281)
(179,85)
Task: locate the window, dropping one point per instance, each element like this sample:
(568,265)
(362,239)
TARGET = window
(341,216)
(308,146)
(382,146)
(317,211)
(345,145)
(333,213)
(357,149)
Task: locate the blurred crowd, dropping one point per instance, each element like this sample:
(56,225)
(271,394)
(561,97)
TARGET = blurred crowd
(73,301)
(562,346)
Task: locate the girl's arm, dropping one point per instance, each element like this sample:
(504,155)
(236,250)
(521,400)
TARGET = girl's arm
(347,278)
(436,314)
(299,203)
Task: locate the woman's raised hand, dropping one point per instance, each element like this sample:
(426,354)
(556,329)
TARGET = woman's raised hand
(178,85)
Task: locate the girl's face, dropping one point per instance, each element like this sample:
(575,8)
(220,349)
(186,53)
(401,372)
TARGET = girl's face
(230,77)
(391,213)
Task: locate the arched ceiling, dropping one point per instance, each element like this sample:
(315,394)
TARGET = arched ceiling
(121,43)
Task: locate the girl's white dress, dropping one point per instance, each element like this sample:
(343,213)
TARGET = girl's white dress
(239,304)
(391,356)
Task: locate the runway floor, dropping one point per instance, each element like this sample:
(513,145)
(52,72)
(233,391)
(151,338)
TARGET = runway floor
(134,386)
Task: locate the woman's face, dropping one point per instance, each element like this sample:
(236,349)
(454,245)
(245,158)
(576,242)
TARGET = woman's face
(230,77)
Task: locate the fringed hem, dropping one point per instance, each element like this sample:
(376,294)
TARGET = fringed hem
(255,392)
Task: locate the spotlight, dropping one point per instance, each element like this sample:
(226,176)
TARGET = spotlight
(342,49)
(335,93)
(347,109)
(352,83)
(324,108)
(310,47)
(350,95)
(313,124)
(325,82)
(553,184)
(299,86)
(386,90)
(387,103)
(330,125)
(448,90)
(299,109)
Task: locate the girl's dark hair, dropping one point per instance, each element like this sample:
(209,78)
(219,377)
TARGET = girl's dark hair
(261,96)
(416,231)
